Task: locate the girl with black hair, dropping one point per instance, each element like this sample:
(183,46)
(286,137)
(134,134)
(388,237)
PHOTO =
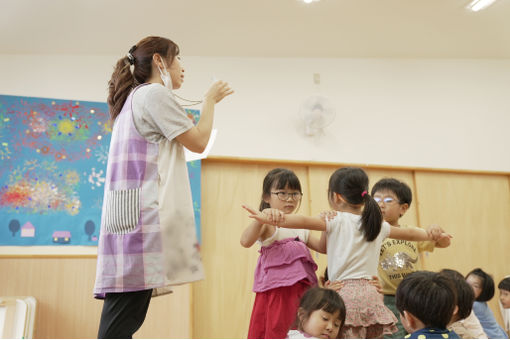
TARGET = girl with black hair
(353,234)
(285,268)
(483,287)
(321,315)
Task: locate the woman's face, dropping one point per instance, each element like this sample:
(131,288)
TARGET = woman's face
(176,71)
(476,283)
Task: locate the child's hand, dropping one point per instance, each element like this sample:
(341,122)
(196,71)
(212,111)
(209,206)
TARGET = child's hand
(437,234)
(328,215)
(258,215)
(335,285)
(275,215)
(376,283)
(434,231)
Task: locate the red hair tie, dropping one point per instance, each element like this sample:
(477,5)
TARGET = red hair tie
(364,193)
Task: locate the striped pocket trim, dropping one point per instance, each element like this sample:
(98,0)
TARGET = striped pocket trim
(122,210)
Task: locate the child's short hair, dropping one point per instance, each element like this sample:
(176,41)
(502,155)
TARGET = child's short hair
(317,298)
(465,294)
(428,296)
(401,189)
(487,284)
(504,284)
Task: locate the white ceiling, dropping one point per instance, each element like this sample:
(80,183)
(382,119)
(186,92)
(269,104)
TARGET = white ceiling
(263,28)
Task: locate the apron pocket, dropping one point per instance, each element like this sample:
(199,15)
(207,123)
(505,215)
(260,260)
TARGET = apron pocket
(122,210)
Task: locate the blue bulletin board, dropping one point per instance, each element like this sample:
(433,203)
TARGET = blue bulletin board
(53,156)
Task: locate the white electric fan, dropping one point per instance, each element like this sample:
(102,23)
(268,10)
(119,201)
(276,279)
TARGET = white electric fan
(316,112)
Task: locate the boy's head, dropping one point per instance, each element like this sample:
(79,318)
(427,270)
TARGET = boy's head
(394,198)
(465,294)
(425,299)
(504,292)
(482,284)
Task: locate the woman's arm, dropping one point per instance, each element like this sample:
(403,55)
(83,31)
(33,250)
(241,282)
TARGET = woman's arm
(196,138)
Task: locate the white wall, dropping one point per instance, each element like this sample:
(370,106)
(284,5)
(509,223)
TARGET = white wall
(403,112)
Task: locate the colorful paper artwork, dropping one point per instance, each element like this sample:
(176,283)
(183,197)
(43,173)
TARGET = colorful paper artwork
(53,155)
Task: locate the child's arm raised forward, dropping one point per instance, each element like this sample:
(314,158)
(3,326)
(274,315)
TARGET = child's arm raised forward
(292,221)
(416,234)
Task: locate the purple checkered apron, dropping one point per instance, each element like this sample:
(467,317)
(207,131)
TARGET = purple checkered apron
(131,252)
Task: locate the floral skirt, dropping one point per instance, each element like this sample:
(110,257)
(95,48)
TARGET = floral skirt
(367,316)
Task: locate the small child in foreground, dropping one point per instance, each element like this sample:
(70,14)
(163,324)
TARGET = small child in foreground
(426,302)
(321,314)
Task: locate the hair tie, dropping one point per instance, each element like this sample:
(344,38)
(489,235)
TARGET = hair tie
(364,193)
(130,56)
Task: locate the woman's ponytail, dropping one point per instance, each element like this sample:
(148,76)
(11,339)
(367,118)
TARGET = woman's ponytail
(119,86)
(140,56)
(371,218)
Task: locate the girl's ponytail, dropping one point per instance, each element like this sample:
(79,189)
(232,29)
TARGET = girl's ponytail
(371,218)
(119,86)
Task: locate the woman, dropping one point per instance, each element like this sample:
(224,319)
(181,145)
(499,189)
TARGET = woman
(147,241)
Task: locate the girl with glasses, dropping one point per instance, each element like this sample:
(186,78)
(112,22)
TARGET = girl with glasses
(285,268)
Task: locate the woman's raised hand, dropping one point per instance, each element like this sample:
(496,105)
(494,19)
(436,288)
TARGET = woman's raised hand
(218,90)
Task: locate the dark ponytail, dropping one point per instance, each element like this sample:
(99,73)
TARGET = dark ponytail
(140,56)
(371,218)
(352,184)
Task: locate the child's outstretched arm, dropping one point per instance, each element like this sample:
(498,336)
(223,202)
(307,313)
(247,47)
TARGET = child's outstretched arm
(256,229)
(416,234)
(292,221)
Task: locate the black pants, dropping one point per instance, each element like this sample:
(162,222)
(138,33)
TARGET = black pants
(123,314)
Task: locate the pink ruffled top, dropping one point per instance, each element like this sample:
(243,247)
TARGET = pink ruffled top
(282,264)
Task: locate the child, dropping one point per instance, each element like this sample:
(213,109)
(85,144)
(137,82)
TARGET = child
(426,301)
(321,314)
(398,259)
(483,287)
(147,242)
(285,268)
(354,239)
(464,322)
(504,301)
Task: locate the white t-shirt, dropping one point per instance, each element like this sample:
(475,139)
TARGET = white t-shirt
(350,256)
(283,233)
(295,334)
(157,115)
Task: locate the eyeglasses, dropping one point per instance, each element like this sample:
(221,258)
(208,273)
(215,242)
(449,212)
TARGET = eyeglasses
(282,195)
(385,200)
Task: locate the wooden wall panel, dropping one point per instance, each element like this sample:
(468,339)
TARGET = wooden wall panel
(475,209)
(65,305)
